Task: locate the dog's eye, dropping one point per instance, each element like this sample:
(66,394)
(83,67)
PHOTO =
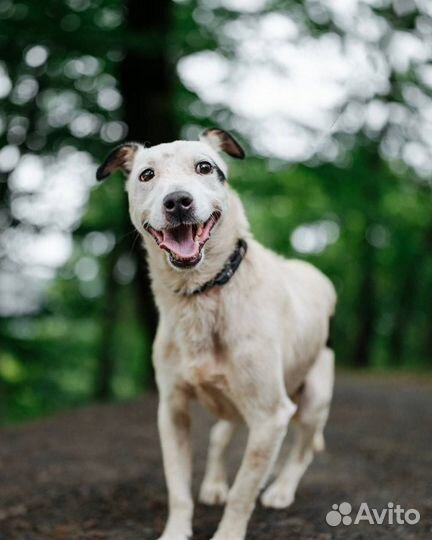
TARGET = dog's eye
(146,175)
(204,167)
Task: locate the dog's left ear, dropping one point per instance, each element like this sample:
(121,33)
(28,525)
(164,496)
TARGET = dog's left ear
(222,141)
(121,158)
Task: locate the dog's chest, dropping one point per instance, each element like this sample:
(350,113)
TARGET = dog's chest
(200,332)
(206,365)
(205,356)
(206,377)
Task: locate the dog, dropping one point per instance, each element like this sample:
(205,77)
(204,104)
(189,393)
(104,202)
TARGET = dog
(241,329)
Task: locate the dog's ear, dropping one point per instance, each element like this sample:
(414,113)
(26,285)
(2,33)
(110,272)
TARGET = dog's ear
(120,158)
(222,141)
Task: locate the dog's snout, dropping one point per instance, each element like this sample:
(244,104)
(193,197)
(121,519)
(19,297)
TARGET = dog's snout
(178,202)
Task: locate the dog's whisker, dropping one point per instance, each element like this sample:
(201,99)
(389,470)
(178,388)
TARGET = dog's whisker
(132,231)
(135,240)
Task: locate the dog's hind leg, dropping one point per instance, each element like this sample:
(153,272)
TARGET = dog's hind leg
(309,424)
(214,488)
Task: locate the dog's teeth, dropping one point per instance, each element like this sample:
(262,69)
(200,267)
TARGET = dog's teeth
(199,230)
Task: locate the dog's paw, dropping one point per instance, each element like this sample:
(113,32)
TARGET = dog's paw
(213,493)
(276,496)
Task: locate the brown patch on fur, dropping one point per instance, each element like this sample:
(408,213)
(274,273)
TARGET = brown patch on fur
(258,456)
(219,348)
(217,402)
(187,389)
(209,370)
(200,375)
(169,349)
(182,420)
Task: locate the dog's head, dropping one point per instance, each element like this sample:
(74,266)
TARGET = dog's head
(177,191)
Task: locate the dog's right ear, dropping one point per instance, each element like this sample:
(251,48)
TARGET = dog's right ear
(121,158)
(222,141)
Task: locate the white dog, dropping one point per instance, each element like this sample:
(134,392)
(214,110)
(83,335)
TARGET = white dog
(241,329)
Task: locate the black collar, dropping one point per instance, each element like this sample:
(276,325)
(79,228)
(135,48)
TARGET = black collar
(227,271)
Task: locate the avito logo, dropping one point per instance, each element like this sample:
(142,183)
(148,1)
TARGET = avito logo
(391,514)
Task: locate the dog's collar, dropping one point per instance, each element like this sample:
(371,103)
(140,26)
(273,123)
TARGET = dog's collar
(228,270)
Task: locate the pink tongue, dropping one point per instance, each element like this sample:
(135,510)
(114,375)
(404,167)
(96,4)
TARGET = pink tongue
(180,241)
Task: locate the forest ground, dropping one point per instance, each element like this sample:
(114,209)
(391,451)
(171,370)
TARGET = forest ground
(95,473)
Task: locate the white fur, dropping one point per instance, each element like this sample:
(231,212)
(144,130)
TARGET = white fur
(243,349)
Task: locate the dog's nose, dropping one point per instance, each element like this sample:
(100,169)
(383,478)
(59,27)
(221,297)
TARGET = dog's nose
(178,201)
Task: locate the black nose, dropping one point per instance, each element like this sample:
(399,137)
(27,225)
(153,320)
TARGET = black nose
(178,202)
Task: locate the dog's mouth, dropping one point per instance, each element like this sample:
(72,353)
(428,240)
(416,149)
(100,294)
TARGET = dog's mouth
(184,242)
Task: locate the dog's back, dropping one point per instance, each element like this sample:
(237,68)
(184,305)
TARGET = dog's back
(313,287)
(313,302)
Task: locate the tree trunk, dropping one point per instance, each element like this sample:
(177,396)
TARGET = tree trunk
(367,302)
(147,75)
(403,311)
(366,309)
(106,358)
(428,340)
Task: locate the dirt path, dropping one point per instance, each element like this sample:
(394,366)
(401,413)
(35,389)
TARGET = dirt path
(96,473)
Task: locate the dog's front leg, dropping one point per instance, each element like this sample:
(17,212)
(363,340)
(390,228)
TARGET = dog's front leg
(265,438)
(174,432)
